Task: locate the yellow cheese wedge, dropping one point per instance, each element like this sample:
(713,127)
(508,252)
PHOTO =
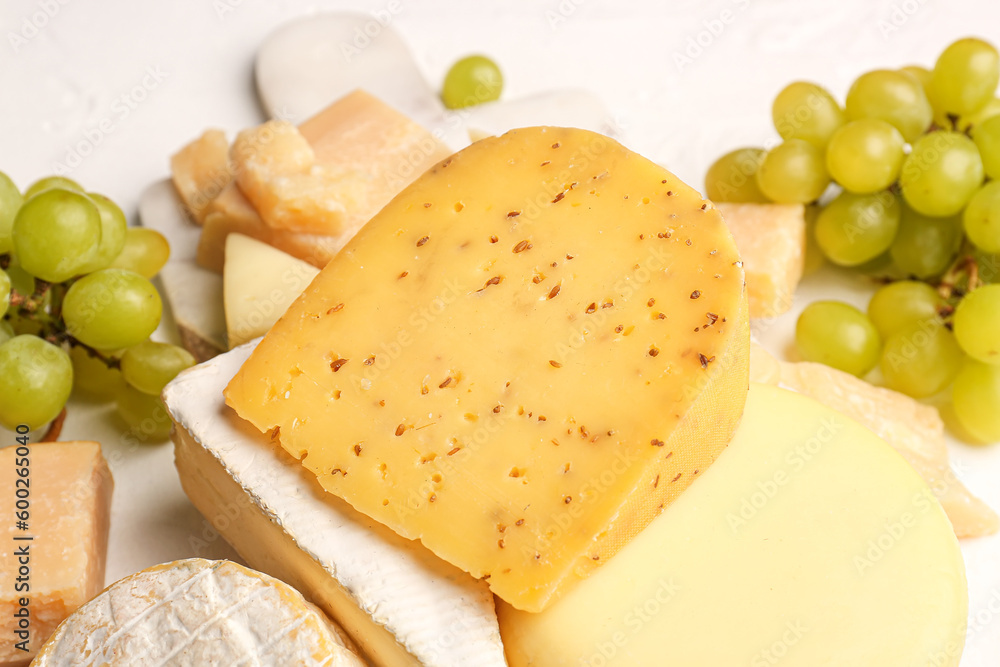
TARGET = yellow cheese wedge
(809,543)
(771,239)
(520,361)
(307,192)
(201,172)
(258,284)
(913,429)
(198,612)
(56,563)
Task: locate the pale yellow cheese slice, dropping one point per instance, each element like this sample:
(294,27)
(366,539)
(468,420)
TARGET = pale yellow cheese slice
(809,543)
(259,282)
(66,492)
(520,361)
(913,429)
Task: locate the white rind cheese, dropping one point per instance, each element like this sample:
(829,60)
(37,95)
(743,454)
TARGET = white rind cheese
(401,604)
(197,612)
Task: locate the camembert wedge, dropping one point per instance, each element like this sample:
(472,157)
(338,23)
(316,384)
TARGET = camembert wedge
(520,361)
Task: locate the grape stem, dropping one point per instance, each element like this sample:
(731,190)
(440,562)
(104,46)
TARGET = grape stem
(55,428)
(950,285)
(110,362)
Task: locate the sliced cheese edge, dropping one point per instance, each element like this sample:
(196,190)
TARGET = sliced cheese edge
(809,543)
(401,604)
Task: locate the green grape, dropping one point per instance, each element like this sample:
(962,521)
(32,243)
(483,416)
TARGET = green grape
(989,266)
(987,140)
(965,76)
(50,183)
(733,177)
(35,380)
(56,234)
(924,247)
(903,304)
(113,226)
(92,376)
(865,155)
(838,335)
(922,75)
(10,202)
(981,218)
(970,122)
(471,81)
(793,173)
(853,229)
(922,359)
(894,97)
(6,331)
(941,173)
(976,398)
(149,366)
(5,287)
(145,252)
(111,308)
(145,414)
(977,324)
(806,111)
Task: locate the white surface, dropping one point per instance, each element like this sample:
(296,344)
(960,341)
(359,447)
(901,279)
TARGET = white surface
(441,615)
(127,83)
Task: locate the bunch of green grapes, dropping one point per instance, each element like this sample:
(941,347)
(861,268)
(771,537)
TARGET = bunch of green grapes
(78,307)
(900,178)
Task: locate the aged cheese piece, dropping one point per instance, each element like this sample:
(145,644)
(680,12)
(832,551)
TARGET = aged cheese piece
(356,155)
(771,239)
(201,171)
(913,429)
(259,282)
(809,542)
(198,612)
(57,562)
(520,361)
(401,604)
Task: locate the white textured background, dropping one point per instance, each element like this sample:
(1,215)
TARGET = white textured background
(69,72)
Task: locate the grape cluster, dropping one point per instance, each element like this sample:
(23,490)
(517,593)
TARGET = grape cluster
(903,178)
(78,307)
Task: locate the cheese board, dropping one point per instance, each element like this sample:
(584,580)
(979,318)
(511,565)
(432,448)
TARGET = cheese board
(293,84)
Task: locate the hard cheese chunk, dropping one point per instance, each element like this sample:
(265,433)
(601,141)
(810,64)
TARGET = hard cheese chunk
(198,612)
(402,605)
(259,283)
(520,361)
(69,494)
(913,429)
(308,192)
(771,239)
(809,543)
(201,172)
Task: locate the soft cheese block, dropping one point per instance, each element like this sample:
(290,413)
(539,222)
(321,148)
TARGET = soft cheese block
(56,562)
(520,361)
(809,543)
(259,282)
(198,612)
(403,606)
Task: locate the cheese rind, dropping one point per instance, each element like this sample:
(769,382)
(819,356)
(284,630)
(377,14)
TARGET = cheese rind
(809,542)
(771,239)
(198,612)
(401,604)
(508,362)
(67,487)
(259,283)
